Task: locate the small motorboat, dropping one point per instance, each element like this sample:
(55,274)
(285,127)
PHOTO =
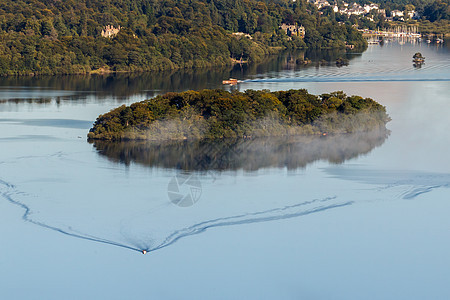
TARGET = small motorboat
(231,81)
(144,251)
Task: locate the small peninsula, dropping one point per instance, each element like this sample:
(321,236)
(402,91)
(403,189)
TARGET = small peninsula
(216,114)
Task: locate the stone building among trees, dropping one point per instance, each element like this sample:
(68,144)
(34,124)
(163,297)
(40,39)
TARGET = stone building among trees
(291,30)
(110,31)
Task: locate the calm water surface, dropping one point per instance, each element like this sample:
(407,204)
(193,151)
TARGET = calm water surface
(361,216)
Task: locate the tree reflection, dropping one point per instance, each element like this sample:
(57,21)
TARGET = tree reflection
(248,154)
(121,86)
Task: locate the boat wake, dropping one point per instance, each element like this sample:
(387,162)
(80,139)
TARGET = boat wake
(137,234)
(412,183)
(347,79)
(135,213)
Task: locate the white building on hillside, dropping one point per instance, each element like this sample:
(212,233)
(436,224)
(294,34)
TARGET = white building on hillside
(396,13)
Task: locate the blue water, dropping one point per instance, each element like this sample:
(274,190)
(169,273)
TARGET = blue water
(362,217)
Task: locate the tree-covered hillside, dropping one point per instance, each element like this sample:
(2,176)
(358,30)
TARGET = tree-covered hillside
(65,36)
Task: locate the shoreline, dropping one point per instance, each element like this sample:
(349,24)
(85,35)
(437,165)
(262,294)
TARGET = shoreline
(105,70)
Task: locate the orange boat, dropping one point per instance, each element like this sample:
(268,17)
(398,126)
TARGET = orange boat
(230,81)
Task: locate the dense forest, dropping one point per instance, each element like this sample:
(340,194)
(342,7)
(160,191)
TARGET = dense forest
(214,114)
(65,36)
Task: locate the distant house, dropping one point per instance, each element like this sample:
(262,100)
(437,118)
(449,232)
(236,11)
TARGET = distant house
(110,31)
(369,7)
(320,3)
(412,14)
(382,12)
(301,31)
(356,11)
(291,30)
(243,34)
(396,13)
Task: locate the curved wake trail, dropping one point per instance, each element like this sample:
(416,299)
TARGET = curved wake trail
(154,224)
(150,241)
(416,183)
(8,195)
(286,212)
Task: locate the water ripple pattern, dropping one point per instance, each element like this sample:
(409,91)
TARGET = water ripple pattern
(372,67)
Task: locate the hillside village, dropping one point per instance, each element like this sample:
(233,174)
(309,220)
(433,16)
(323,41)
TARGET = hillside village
(364,10)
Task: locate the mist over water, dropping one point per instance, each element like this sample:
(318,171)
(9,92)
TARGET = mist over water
(125,216)
(134,212)
(291,152)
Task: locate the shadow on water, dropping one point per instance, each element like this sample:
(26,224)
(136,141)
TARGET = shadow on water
(248,154)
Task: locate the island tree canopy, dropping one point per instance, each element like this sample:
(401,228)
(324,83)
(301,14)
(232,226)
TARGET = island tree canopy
(220,114)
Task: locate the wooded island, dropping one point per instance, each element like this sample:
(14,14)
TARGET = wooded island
(215,114)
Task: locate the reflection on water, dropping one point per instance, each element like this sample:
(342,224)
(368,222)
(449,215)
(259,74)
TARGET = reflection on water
(151,222)
(118,86)
(136,213)
(63,123)
(249,154)
(122,200)
(394,65)
(44,89)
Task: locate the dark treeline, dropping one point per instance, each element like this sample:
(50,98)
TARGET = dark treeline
(214,114)
(64,37)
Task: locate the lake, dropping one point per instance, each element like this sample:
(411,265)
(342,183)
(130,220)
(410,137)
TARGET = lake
(361,216)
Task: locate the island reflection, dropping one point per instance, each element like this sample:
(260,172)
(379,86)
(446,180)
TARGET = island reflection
(291,152)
